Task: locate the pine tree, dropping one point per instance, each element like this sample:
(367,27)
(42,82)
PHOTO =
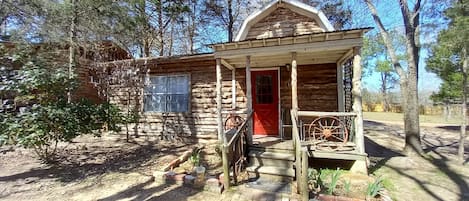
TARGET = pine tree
(450,62)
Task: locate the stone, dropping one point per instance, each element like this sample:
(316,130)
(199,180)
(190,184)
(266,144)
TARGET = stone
(179,170)
(189,180)
(212,182)
(212,185)
(169,177)
(159,176)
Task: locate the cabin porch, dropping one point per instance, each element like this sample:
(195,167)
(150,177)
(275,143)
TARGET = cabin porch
(296,118)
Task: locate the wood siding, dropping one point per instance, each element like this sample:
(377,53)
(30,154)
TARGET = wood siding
(317,92)
(317,88)
(200,123)
(282,23)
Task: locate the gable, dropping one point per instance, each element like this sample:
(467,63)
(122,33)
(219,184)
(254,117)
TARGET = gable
(281,23)
(283,18)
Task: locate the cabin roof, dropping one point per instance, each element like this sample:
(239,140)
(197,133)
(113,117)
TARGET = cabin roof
(293,5)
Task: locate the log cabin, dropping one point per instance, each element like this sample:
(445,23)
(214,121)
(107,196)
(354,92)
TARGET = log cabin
(285,95)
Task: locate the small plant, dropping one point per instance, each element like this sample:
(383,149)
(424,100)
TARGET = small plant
(314,180)
(195,158)
(347,187)
(334,180)
(374,188)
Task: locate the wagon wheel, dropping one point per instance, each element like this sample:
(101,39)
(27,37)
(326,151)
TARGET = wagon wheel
(233,121)
(328,129)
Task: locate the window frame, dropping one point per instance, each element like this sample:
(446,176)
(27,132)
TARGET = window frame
(189,92)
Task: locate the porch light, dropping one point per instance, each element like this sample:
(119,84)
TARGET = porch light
(287,66)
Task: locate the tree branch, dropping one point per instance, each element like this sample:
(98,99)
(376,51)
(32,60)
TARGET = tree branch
(386,39)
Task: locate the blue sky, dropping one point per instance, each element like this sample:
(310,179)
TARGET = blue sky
(391,16)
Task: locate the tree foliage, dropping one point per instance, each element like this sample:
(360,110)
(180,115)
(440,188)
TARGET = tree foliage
(447,56)
(39,117)
(449,61)
(376,60)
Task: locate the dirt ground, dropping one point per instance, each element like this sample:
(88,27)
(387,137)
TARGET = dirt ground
(109,168)
(437,177)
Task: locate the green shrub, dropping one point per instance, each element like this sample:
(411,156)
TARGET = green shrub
(43,115)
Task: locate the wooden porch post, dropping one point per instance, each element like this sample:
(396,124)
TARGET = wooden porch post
(233,88)
(295,130)
(294,83)
(249,98)
(221,136)
(357,100)
(340,88)
(219,101)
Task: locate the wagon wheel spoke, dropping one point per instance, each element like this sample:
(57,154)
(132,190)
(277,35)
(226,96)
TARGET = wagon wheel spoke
(338,138)
(332,124)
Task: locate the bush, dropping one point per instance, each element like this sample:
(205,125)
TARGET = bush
(43,115)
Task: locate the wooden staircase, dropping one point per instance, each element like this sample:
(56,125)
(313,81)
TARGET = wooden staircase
(271,162)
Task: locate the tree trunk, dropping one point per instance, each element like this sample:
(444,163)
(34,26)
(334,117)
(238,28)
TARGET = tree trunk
(230,21)
(411,112)
(171,39)
(409,78)
(465,89)
(192,27)
(72,45)
(411,115)
(146,47)
(159,7)
(384,91)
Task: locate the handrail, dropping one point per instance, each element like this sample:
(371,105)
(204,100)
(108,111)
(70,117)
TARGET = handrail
(297,146)
(315,114)
(241,128)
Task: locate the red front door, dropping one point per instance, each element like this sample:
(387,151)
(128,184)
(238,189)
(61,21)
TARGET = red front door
(265,102)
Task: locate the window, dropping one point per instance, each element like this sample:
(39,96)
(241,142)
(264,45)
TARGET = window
(264,91)
(167,94)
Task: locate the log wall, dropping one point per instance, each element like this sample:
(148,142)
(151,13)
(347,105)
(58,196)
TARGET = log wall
(316,84)
(281,23)
(317,88)
(200,123)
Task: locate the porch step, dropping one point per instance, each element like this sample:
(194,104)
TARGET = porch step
(271,149)
(276,159)
(272,155)
(270,171)
(271,165)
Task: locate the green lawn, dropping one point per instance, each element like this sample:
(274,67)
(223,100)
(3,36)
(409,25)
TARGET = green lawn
(398,117)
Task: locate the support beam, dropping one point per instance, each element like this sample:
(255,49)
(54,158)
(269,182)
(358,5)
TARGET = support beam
(279,49)
(340,88)
(346,56)
(219,101)
(249,98)
(294,83)
(227,65)
(233,88)
(221,136)
(357,100)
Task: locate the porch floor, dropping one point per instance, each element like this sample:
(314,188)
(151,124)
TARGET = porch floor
(268,142)
(272,143)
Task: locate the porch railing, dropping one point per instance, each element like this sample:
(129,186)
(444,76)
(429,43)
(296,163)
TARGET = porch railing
(301,158)
(332,129)
(236,147)
(329,131)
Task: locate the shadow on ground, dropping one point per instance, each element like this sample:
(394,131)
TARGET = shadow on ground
(380,155)
(77,164)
